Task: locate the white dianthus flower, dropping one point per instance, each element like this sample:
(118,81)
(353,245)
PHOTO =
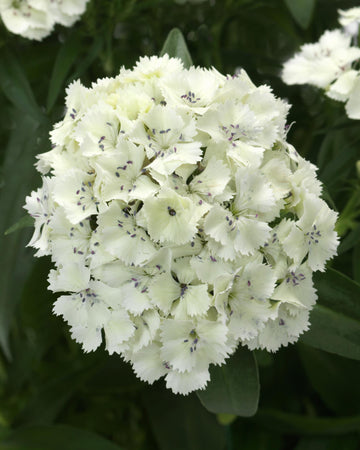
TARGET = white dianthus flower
(35,19)
(330,63)
(350,20)
(321,63)
(180,222)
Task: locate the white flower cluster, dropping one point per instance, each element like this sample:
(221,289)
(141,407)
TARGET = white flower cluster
(35,19)
(180,221)
(329,64)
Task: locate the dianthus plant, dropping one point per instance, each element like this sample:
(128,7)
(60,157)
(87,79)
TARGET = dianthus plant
(331,63)
(35,19)
(180,221)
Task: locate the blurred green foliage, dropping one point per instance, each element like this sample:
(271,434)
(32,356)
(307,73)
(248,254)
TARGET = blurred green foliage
(52,396)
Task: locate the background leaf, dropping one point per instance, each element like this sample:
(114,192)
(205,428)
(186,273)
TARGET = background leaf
(302,11)
(15,86)
(56,437)
(326,370)
(180,422)
(234,387)
(175,46)
(333,332)
(299,424)
(65,59)
(335,320)
(26,221)
(326,443)
(26,140)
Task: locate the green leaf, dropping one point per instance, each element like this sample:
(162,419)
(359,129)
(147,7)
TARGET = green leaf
(181,422)
(26,140)
(333,332)
(65,59)
(352,239)
(247,435)
(329,443)
(25,221)
(234,387)
(334,378)
(175,46)
(91,54)
(302,11)
(38,329)
(338,292)
(289,423)
(56,437)
(335,320)
(16,87)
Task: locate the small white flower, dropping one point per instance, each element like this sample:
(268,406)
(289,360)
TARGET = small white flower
(35,19)
(74,192)
(123,238)
(283,330)
(352,107)
(194,89)
(313,234)
(187,344)
(341,88)
(241,233)
(186,382)
(350,20)
(321,63)
(170,217)
(41,207)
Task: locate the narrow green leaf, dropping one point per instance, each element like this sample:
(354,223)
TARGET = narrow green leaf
(26,140)
(334,378)
(335,320)
(329,443)
(175,46)
(302,11)
(352,239)
(298,424)
(56,437)
(38,328)
(333,332)
(16,87)
(234,387)
(26,221)
(181,422)
(65,59)
(338,292)
(92,53)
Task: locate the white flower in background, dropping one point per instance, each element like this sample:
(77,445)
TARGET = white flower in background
(350,20)
(35,19)
(180,222)
(321,63)
(330,63)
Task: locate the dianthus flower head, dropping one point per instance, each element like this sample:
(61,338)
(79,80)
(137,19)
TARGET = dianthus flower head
(35,19)
(321,63)
(350,20)
(180,222)
(331,64)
